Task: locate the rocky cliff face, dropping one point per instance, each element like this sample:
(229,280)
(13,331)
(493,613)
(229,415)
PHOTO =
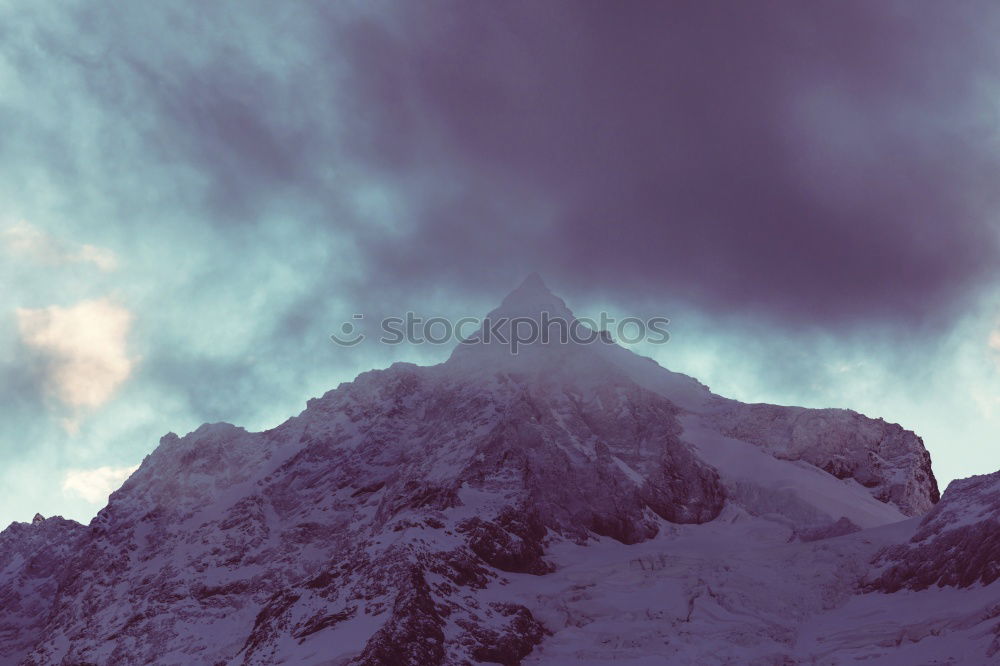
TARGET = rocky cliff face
(31,559)
(883,457)
(392,520)
(956,545)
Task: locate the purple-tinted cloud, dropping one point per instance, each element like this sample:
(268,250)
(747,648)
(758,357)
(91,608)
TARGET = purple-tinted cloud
(820,162)
(817,163)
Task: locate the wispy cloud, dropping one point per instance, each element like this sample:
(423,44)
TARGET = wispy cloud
(95,485)
(28,241)
(84,348)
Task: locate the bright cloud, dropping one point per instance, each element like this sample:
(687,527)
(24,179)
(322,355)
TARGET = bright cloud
(84,346)
(993,342)
(985,395)
(25,240)
(94,485)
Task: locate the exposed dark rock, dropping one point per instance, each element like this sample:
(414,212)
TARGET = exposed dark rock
(956,545)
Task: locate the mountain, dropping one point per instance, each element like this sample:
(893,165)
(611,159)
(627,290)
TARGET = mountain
(572,503)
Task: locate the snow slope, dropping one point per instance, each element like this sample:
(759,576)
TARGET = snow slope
(737,592)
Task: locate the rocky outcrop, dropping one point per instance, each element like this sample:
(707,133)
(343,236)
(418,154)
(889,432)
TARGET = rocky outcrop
(883,457)
(956,545)
(32,556)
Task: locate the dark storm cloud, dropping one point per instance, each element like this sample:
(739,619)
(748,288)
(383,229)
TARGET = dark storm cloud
(820,162)
(812,162)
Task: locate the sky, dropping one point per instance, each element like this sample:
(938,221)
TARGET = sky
(196,195)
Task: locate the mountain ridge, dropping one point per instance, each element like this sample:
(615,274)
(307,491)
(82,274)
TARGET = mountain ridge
(379,525)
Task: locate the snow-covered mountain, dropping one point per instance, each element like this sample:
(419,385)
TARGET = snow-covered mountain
(570,504)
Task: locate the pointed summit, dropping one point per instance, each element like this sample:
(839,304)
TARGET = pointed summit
(530,299)
(534,281)
(37,519)
(507,330)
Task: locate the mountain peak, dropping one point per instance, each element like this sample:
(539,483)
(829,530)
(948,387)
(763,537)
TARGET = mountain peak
(535,282)
(530,299)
